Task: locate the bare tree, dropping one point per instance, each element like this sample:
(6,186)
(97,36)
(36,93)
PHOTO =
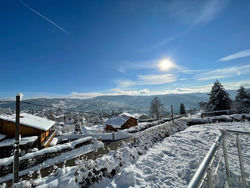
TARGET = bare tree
(157,110)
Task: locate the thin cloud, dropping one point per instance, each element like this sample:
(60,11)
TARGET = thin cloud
(76,95)
(112,92)
(152,79)
(158,45)
(153,65)
(125,83)
(44,17)
(210,10)
(136,65)
(236,85)
(203,88)
(183,90)
(195,12)
(180,90)
(118,91)
(224,73)
(241,54)
(157,79)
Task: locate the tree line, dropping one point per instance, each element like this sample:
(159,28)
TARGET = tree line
(157,110)
(219,100)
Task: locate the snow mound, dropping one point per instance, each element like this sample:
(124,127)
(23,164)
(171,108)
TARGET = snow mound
(173,162)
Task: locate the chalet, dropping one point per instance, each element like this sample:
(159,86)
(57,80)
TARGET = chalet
(30,125)
(123,121)
(60,118)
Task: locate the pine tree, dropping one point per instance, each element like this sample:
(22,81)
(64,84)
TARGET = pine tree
(219,99)
(156,109)
(78,129)
(242,100)
(182,109)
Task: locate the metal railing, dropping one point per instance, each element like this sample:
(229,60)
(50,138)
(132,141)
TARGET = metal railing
(204,172)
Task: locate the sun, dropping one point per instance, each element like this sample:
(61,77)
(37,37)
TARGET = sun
(165,64)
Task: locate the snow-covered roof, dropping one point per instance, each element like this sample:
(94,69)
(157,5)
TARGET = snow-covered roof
(30,121)
(127,114)
(59,116)
(117,122)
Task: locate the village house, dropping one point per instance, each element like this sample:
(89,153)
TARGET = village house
(30,125)
(123,121)
(59,118)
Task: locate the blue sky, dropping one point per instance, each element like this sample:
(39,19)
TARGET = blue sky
(89,48)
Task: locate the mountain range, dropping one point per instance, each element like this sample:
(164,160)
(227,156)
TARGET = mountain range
(131,104)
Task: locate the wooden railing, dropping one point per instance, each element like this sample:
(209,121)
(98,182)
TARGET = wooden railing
(48,139)
(204,172)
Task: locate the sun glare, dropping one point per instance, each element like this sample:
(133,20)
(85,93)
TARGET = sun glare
(165,64)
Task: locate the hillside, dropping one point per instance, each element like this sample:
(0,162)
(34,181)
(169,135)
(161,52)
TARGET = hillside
(132,104)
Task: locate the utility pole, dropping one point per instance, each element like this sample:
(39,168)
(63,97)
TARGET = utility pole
(172,112)
(16,145)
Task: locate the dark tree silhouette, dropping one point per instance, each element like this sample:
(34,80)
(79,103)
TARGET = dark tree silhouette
(182,109)
(219,99)
(242,100)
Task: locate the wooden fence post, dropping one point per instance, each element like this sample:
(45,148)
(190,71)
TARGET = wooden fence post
(16,145)
(172,112)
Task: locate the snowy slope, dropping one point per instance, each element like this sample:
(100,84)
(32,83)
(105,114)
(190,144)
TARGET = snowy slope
(173,162)
(170,163)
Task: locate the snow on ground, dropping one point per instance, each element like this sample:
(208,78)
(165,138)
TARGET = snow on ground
(54,142)
(101,136)
(2,136)
(172,162)
(58,159)
(91,170)
(23,141)
(54,149)
(232,117)
(145,125)
(196,115)
(93,129)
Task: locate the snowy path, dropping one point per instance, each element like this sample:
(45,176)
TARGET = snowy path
(172,162)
